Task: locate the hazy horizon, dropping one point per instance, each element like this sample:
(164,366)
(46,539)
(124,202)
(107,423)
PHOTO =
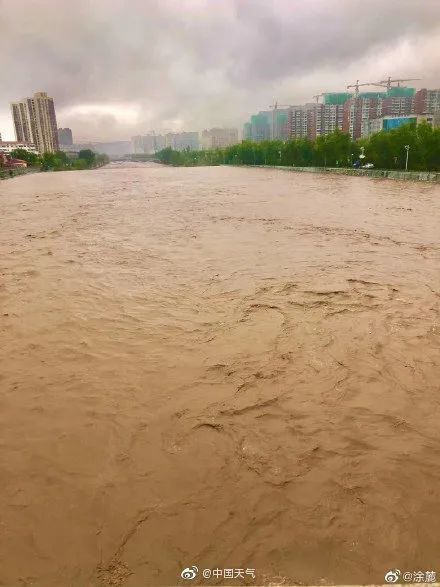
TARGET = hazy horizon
(115,72)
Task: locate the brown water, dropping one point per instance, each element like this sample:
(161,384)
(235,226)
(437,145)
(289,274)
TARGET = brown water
(231,368)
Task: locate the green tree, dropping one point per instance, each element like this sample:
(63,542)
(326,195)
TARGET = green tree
(30,158)
(88,155)
(79,164)
(385,150)
(54,161)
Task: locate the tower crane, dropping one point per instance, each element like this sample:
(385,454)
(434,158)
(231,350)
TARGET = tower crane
(317,96)
(387,82)
(357,85)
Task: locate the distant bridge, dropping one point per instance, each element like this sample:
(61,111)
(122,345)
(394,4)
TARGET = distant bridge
(139,157)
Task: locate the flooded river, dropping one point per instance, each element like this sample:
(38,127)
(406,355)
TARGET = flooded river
(221,367)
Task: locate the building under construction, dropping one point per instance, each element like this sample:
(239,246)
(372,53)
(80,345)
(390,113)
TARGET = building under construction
(345,111)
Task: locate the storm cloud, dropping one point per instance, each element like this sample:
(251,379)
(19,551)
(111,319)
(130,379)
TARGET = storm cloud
(117,68)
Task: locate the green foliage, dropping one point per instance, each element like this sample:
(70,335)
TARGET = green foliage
(386,150)
(30,158)
(54,161)
(79,164)
(60,161)
(88,155)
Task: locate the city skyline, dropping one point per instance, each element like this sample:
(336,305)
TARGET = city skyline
(194,64)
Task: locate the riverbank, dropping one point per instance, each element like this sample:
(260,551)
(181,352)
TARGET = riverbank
(10,173)
(384,173)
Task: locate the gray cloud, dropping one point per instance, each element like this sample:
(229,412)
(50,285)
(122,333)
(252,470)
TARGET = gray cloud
(121,67)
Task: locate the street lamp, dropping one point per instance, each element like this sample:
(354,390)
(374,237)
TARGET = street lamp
(407,147)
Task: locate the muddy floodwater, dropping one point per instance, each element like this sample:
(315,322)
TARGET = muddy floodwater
(222,367)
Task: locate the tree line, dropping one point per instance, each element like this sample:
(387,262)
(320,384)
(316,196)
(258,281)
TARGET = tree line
(61,161)
(385,150)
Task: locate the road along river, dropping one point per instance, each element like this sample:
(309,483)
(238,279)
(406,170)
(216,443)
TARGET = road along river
(223,367)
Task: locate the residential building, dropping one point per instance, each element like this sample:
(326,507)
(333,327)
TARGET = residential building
(398,101)
(358,110)
(385,123)
(76,147)
(148,144)
(219,138)
(259,127)
(22,121)
(247,131)
(137,145)
(300,121)
(65,137)
(361,108)
(427,101)
(182,141)
(35,122)
(350,113)
(114,149)
(328,118)
(279,122)
(152,143)
(325,118)
(9,146)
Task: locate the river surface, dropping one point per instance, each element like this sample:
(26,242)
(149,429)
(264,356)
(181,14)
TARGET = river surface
(223,367)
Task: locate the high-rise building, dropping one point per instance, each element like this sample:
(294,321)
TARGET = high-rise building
(182,141)
(259,127)
(65,137)
(35,122)
(137,145)
(279,122)
(22,121)
(358,110)
(300,121)
(398,101)
(153,143)
(148,144)
(328,117)
(361,108)
(219,138)
(427,101)
(46,138)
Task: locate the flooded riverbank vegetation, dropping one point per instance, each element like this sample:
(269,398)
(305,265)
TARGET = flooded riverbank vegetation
(61,161)
(385,150)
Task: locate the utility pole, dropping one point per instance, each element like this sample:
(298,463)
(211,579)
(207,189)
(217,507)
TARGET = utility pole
(407,147)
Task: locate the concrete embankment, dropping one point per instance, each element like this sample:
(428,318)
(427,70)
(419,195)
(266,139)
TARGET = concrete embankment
(390,174)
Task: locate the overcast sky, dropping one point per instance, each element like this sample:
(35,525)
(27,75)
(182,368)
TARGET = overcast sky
(117,68)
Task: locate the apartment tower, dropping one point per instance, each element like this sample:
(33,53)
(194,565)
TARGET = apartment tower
(35,122)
